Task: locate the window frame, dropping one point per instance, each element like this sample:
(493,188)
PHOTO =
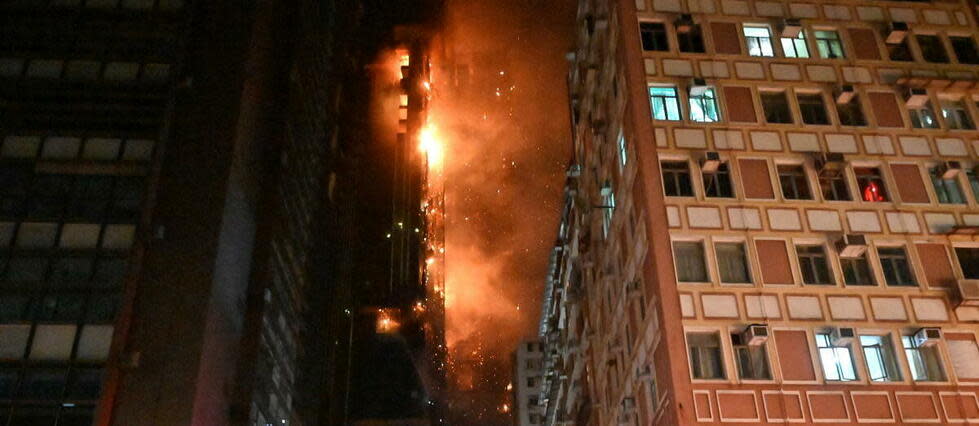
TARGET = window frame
(821,112)
(710,181)
(677,178)
(720,355)
(704,260)
(689,41)
(855,104)
(947,191)
(745,261)
(736,353)
(893,260)
(783,99)
(798,174)
(972,271)
(703,101)
(864,180)
(761,41)
(833,182)
(824,338)
(847,262)
(908,345)
(956,114)
(655,47)
(974,60)
(826,46)
(809,260)
(793,42)
(926,54)
(666,101)
(886,349)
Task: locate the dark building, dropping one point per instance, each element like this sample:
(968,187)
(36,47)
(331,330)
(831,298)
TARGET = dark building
(172,211)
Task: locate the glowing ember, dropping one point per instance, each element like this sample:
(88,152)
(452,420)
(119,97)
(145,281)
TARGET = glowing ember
(386,323)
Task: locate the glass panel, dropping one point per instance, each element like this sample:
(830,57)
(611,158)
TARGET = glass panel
(732,263)
(690,265)
(795,47)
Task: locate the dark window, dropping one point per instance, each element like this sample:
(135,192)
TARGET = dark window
(968,261)
(692,40)
(932,49)
(653,36)
(776,107)
(829,44)
(900,51)
(947,190)
(794,183)
(956,115)
(851,113)
(814,266)
(706,360)
(871,184)
(813,108)
(718,184)
(896,266)
(856,271)
(923,117)
(965,50)
(752,360)
(732,262)
(833,185)
(689,259)
(676,179)
(973,179)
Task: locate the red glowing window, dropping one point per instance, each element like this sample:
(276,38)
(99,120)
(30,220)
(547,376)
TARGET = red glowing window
(871,184)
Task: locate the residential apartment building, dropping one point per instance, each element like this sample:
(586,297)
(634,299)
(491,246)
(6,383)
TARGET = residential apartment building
(168,182)
(527,369)
(771,215)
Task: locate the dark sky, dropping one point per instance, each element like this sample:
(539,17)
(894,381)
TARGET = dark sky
(506,158)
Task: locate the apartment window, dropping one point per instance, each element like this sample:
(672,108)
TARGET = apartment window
(947,190)
(856,270)
(653,36)
(706,360)
(759,40)
(965,49)
(836,359)
(932,49)
(732,262)
(776,107)
(692,40)
(812,108)
(968,261)
(833,185)
(665,103)
(899,51)
(795,47)
(608,208)
(878,353)
(794,182)
(703,106)
(956,115)
(752,360)
(851,113)
(813,264)
(718,184)
(829,45)
(623,151)
(925,363)
(973,179)
(690,264)
(676,179)
(923,117)
(896,266)
(871,184)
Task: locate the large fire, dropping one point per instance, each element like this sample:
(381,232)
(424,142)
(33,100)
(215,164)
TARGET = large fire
(430,144)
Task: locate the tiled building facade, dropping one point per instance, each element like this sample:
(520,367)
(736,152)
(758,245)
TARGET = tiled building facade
(771,215)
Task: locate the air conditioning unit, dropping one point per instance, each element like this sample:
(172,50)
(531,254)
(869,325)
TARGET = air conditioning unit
(829,162)
(896,31)
(851,245)
(754,335)
(842,335)
(915,97)
(791,28)
(968,292)
(845,94)
(684,23)
(710,162)
(697,87)
(949,169)
(928,336)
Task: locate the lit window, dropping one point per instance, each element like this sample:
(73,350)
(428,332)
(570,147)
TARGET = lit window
(732,262)
(856,270)
(813,108)
(956,115)
(923,117)
(932,49)
(837,361)
(947,190)
(795,47)
(794,182)
(829,45)
(703,106)
(851,113)
(690,265)
(833,185)
(871,184)
(759,40)
(965,49)
(925,363)
(899,51)
(691,40)
(623,152)
(813,264)
(676,179)
(896,266)
(752,360)
(706,360)
(968,261)
(653,36)
(776,107)
(878,353)
(608,207)
(665,103)
(718,184)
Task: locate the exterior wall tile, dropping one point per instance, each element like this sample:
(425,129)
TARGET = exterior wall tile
(766,141)
(863,221)
(842,143)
